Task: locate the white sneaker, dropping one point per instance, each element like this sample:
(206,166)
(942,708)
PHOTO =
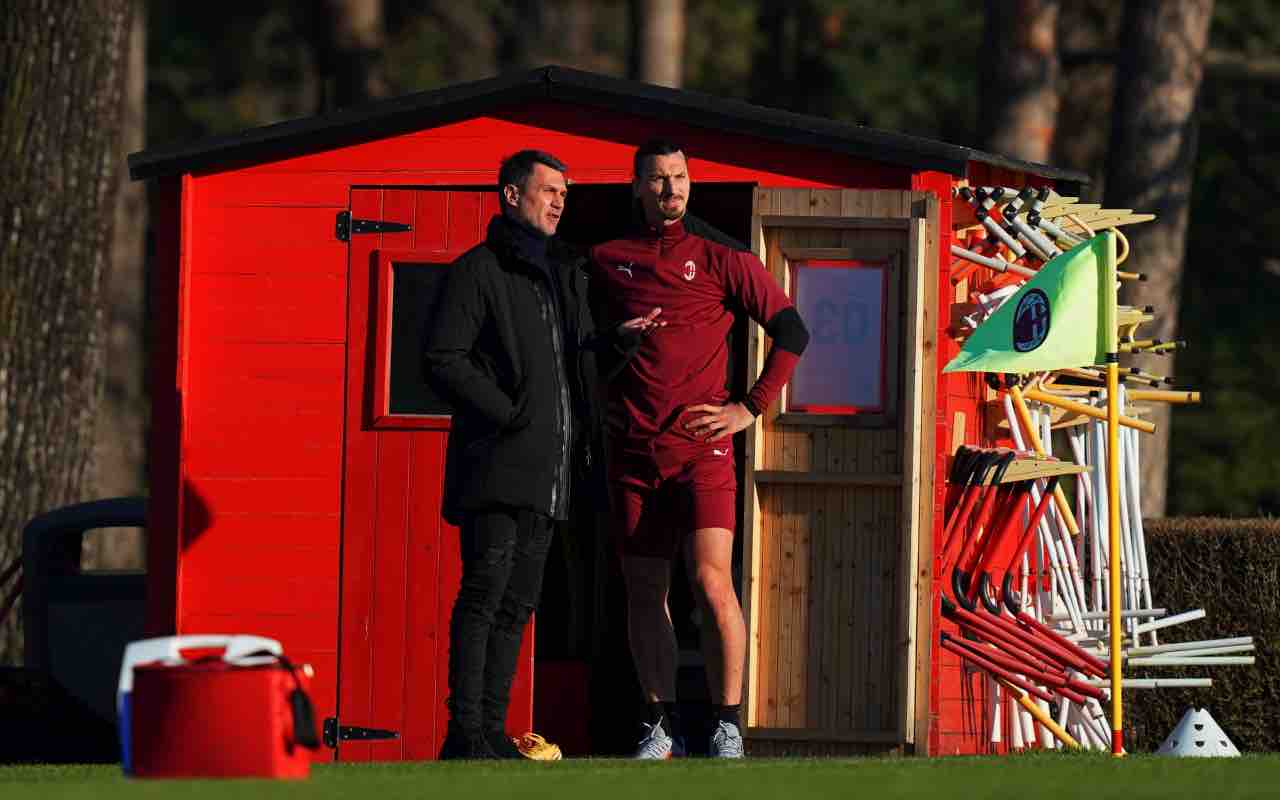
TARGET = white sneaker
(726,741)
(655,745)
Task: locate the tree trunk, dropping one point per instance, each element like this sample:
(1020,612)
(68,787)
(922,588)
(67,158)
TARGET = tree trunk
(1086,89)
(791,67)
(62,66)
(351,43)
(658,49)
(772,68)
(1149,169)
(121,455)
(521,27)
(578,46)
(1018,77)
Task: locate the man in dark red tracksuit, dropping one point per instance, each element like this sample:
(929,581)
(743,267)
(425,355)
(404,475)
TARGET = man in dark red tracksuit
(671,422)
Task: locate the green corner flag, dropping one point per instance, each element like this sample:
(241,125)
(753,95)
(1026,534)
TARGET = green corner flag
(1063,317)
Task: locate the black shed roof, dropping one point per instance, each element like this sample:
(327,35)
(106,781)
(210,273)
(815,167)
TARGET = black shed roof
(452,103)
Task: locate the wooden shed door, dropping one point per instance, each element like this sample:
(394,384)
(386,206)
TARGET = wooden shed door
(400,565)
(837,473)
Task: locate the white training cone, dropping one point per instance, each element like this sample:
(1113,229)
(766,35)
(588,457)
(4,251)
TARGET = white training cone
(1197,735)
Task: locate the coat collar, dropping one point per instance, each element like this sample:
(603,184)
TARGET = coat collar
(501,238)
(667,234)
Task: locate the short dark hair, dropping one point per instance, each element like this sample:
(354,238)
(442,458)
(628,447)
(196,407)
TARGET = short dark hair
(654,147)
(517,167)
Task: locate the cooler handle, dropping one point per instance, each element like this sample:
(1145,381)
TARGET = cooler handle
(169,650)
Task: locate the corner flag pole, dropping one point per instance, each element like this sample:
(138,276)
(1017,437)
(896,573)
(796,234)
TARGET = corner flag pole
(1107,288)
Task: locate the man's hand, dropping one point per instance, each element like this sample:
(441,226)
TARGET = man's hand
(643,324)
(717,422)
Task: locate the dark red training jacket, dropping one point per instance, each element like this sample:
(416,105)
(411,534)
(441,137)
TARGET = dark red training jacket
(697,282)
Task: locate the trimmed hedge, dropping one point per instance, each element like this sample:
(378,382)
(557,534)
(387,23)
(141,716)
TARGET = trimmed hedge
(1231,569)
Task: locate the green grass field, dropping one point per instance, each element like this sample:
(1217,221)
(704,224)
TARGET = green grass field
(1025,777)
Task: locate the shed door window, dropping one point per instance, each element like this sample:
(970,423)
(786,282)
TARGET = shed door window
(408,284)
(843,302)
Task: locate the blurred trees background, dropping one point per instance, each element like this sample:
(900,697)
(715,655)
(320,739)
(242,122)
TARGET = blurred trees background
(62,87)
(1150,159)
(1032,78)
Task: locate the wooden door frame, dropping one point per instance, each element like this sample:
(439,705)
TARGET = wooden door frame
(821,208)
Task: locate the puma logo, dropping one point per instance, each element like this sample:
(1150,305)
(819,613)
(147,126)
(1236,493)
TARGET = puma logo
(719,452)
(625,268)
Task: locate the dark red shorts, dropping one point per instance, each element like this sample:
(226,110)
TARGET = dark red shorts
(659,498)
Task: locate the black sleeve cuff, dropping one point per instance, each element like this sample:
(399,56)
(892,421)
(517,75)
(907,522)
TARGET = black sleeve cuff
(788,331)
(750,406)
(626,342)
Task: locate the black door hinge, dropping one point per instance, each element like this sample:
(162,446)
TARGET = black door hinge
(334,733)
(345,227)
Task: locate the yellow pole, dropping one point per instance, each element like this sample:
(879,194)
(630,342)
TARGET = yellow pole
(1163,396)
(1033,438)
(1048,399)
(1037,712)
(1113,507)
(1109,308)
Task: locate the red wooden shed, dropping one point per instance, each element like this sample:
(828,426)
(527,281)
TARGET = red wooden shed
(296,455)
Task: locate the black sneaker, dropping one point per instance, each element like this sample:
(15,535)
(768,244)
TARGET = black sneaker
(502,746)
(469,745)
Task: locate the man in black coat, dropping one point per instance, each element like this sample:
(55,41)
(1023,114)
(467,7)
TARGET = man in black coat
(514,347)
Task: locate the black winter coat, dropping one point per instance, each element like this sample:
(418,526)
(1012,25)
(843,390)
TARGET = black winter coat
(520,369)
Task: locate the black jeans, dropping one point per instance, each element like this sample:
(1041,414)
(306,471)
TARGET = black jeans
(503,555)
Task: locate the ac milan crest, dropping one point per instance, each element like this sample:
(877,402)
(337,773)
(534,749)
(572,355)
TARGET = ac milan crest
(1031,321)
(690,270)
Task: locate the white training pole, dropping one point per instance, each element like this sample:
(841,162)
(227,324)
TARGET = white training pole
(1155,683)
(1056,539)
(1099,720)
(1078,545)
(1127,561)
(1096,560)
(993,709)
(1064,708)
(1102,504)
(1168,622)
(1063,543)
(997,264)
(1131,501)
(1026,577)
(1082,730)
(1209,661)
(1028,727)
(1060,583)
(1131,465)
(1046,736)
(1174,647)
(1086,735)
(1078,438)
(1084,718)
(1044,537)
(1199,651)
(1015,725)
(1132,612)
(1044,533)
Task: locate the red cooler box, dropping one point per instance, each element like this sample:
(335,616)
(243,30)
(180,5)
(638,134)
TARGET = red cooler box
(218,719)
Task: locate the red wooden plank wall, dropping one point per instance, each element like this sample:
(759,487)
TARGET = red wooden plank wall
(262,433)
